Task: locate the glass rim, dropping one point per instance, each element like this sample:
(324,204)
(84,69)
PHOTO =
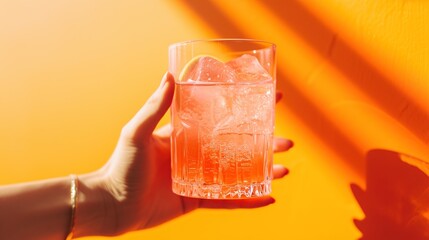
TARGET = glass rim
(225,40)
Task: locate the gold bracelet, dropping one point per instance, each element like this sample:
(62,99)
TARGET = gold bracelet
(73,200)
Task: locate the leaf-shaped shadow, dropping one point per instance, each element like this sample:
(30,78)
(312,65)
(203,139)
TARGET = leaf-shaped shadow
(396,199)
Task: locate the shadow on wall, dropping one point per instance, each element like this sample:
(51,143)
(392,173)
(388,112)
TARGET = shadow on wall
(297,102)
(353,65)
(325,42)
(396,199)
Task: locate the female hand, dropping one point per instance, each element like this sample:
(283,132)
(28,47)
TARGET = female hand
(136,181)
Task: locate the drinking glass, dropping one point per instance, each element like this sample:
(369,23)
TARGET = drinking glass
(222,117)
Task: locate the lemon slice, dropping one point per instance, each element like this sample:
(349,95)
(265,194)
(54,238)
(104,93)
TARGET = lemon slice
(189,67)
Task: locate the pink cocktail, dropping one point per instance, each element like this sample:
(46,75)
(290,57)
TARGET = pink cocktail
(223,118)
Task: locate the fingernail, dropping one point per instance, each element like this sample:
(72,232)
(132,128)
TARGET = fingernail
(290,144)
(279,96)
(286,172)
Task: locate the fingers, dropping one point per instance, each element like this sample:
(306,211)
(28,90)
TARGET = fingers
(238,203)
(279,171)
(281,144)
(146,119)
(164,132)
(163,137)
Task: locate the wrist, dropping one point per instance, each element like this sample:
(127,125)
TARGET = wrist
(95,212)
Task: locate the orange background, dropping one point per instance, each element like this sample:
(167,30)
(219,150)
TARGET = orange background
(353,73)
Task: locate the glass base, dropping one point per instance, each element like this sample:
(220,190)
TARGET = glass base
(216,191)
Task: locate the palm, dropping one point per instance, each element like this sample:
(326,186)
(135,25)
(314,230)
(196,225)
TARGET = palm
(166,204)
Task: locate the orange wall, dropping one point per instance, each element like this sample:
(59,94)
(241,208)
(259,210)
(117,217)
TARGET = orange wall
(354,76)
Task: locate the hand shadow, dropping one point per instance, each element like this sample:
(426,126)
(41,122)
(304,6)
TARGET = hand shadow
(396,199)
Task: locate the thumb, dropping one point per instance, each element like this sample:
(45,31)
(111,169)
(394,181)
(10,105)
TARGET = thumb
(144,122)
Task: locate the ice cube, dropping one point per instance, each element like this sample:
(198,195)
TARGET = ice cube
(208,69)
(248,69)
(205,105)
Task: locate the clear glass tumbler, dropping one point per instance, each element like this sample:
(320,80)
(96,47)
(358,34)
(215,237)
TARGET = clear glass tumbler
(223,118)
